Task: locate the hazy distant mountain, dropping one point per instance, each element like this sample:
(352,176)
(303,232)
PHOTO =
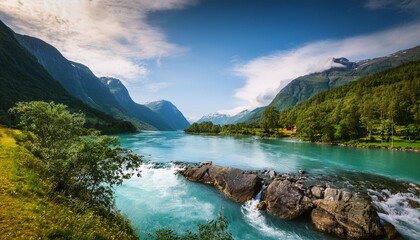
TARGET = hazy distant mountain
(22,78)
(223,119)
(167,111)
(341,72)
(78,80)
(136,110)
(215,118)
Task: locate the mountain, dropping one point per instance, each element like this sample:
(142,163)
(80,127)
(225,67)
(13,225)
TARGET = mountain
(77,79)
(341,72)
(166,110)
(140,112)
(223,119)
(22,78)
(385,104)
(215,118)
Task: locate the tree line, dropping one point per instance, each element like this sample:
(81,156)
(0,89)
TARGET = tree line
(383,105)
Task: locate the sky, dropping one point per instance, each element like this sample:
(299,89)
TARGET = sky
(210,56)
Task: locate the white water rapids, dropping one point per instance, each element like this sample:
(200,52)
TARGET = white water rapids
(257,220)
(400,209)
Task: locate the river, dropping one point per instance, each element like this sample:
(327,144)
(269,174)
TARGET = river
(162,199)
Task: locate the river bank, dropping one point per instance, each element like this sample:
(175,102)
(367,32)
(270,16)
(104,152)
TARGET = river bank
(406,146)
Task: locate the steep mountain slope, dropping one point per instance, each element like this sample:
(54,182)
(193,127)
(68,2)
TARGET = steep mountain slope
(136,110)
(384,104)
(170,113)
(341,73)
(77,79)
(22,78)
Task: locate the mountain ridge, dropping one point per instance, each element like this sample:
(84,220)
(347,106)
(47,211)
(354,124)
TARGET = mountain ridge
(82,83)
(304,87)
(23,78)
(170,113)
(139,111)
(223,119)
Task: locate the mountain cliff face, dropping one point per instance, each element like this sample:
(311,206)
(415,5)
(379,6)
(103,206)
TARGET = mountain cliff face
(341,72)
(22,78)
(106,94)
(141,112)
(170,113)
(76,78)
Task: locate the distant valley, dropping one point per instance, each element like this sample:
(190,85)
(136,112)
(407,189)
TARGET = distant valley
(107,95)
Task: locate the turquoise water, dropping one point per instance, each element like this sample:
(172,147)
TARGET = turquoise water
(162,199)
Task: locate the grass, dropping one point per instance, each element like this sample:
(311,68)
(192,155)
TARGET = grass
(29,209)
(397,143)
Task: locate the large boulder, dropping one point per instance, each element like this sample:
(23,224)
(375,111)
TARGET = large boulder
(234,183)
(346,215)
(286,199)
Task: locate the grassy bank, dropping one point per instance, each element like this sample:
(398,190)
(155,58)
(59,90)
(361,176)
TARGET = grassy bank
(397,143)
(29,209)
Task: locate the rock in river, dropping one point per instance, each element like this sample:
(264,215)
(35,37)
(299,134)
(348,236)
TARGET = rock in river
(346,215)
(286,200)
(234,183)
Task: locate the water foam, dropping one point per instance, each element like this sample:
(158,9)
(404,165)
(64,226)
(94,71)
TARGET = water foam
(398,209)
(258,221)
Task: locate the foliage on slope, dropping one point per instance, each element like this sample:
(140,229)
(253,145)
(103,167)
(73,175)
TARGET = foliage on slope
(385,104)
(30,209)
(303,88)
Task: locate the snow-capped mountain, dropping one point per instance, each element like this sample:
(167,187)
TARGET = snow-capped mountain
(223,119)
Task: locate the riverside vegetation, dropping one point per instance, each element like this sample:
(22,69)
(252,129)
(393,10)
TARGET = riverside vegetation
(57,180)
(382,110)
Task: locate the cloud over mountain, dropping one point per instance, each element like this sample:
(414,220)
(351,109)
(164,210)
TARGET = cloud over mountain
(266,75)
(112,37)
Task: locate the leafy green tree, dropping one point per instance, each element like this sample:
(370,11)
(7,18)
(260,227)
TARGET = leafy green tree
(78,162)
(99,164)
(217,229)
(269,119)
(51,127)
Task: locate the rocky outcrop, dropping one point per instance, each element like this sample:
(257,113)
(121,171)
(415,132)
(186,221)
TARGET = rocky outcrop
(286,200)
(346,215)
(391,232)
(234,183)
(334,211)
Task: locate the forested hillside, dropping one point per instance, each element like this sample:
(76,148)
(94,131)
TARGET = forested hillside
(302,88)
(385,104)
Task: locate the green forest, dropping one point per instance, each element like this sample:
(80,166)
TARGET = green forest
(379,108)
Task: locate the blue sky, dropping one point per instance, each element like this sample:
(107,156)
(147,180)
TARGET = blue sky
(212,55)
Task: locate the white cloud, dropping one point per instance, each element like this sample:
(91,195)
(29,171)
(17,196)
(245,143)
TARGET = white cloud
(409,5)
(266,76)
(234,111)
(111,37)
